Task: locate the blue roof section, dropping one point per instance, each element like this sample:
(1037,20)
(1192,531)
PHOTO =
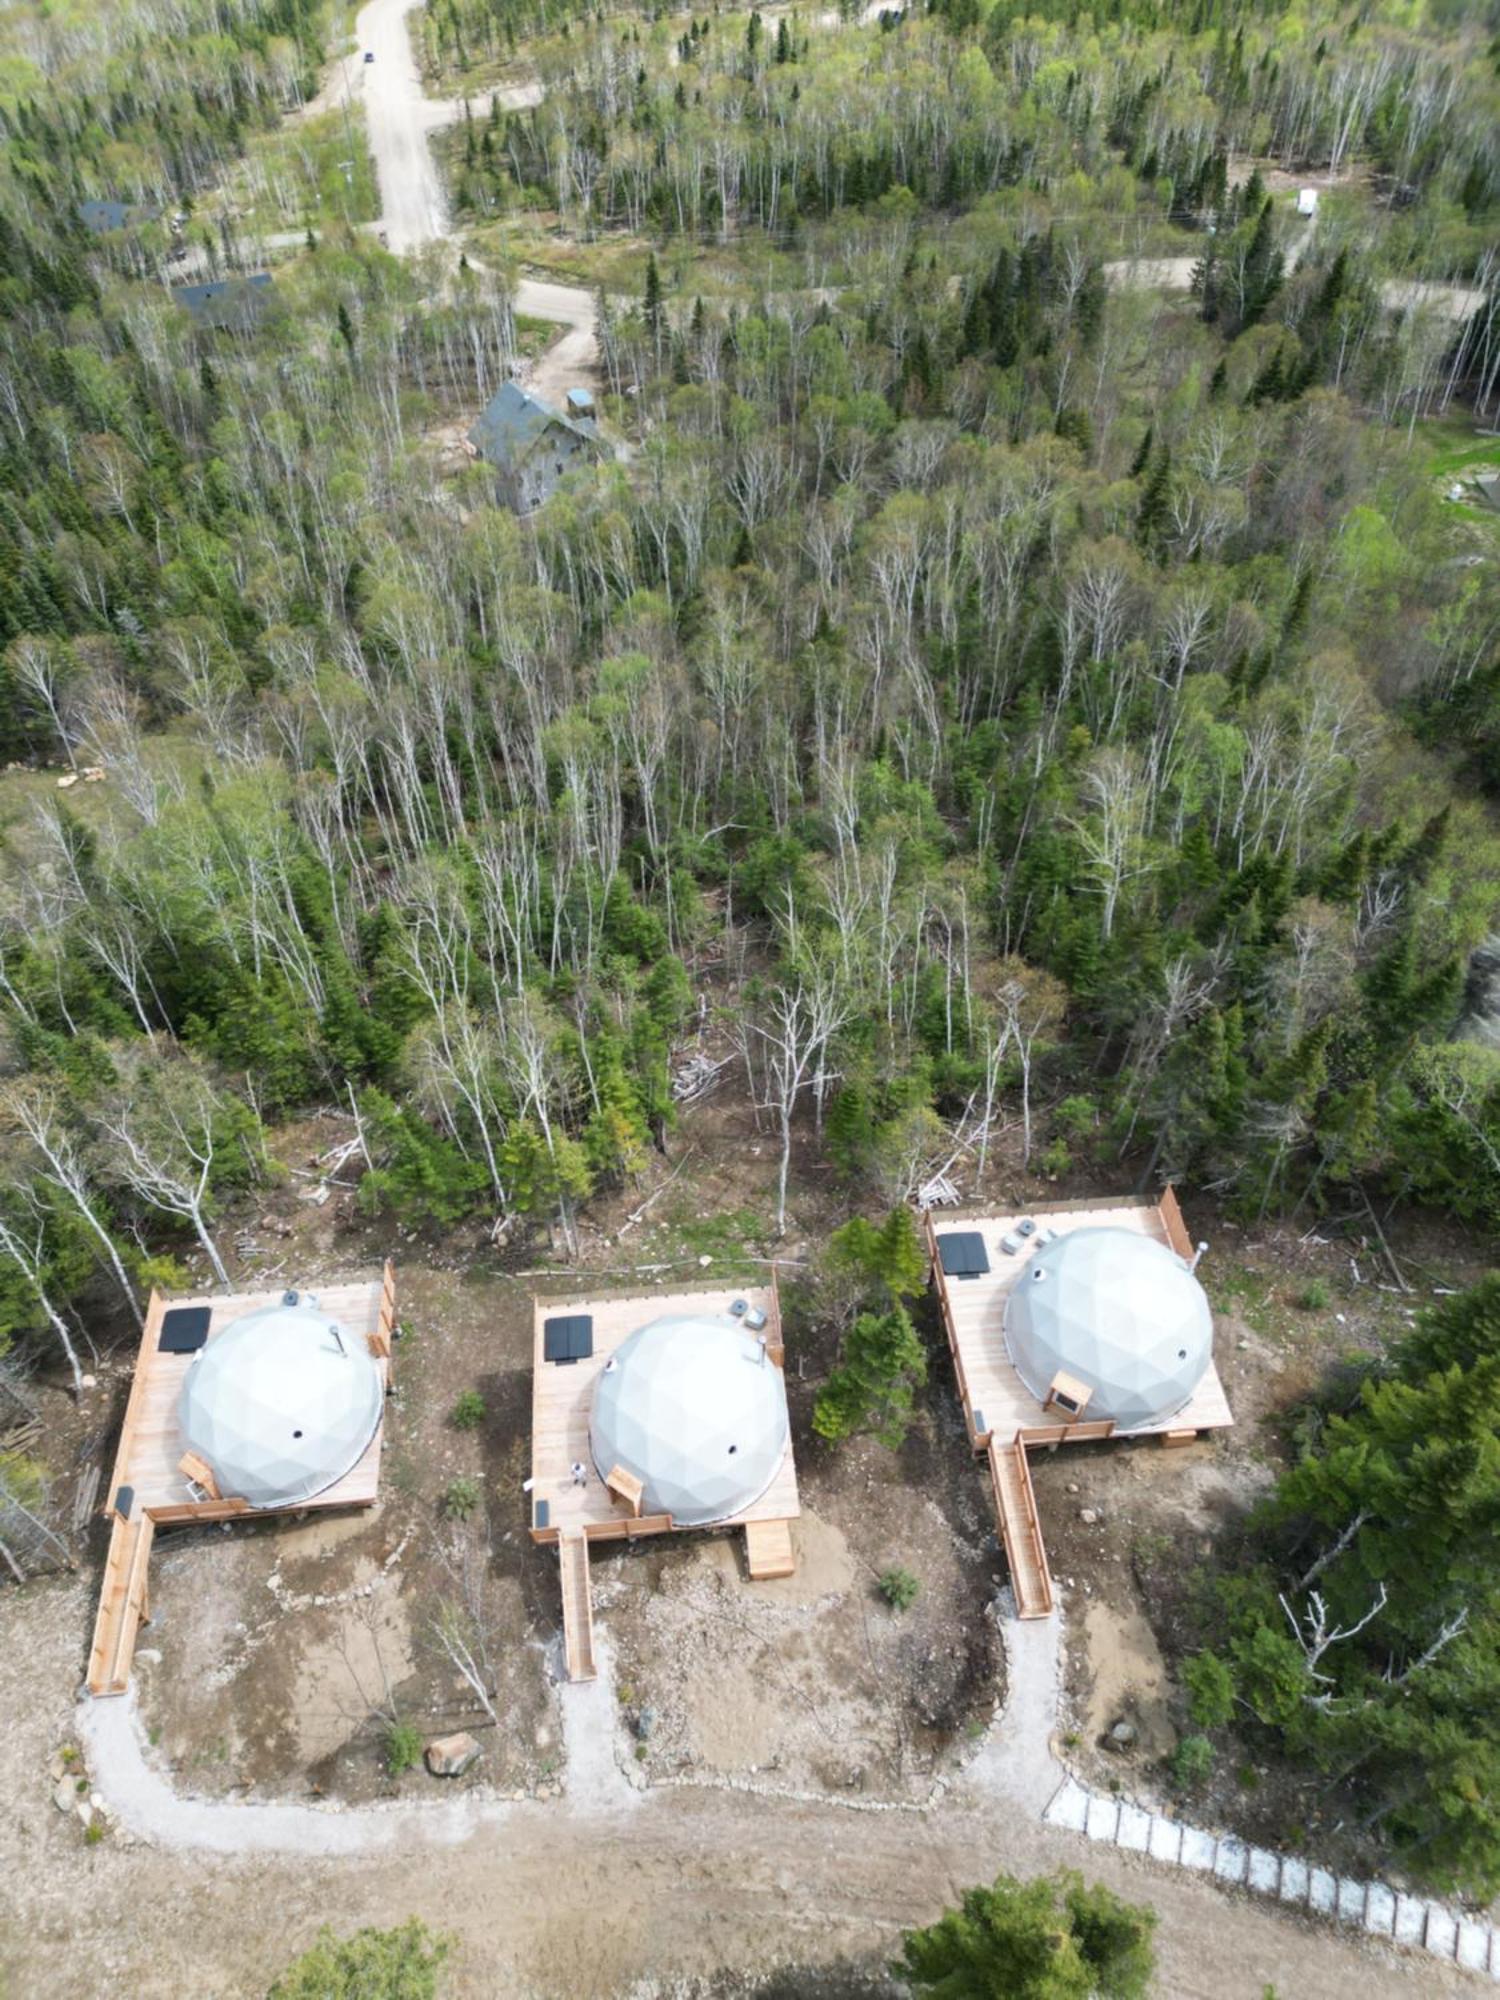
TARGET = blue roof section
(580,400)
(223,301)
(513,423)
(102,217)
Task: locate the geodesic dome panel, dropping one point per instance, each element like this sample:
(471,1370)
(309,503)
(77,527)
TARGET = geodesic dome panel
(696,1410)
(1120,1312)
(281,1403)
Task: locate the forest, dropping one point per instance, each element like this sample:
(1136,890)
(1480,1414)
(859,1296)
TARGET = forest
(1021,689)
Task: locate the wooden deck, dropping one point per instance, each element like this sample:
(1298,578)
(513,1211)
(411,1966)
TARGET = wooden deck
(1005,1420)
(148,1489)
(562,1397)
(996,1400)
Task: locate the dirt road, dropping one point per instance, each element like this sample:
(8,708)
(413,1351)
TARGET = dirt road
(399,119)
(564,1902)
(573,358)
(1397,295)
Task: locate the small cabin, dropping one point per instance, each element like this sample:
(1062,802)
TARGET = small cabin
(532,447)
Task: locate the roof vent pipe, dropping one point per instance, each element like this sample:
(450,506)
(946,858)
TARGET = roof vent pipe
(1198,1255)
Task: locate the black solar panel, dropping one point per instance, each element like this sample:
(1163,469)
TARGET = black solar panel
(184,1329)
(568,1337)
(963,1254)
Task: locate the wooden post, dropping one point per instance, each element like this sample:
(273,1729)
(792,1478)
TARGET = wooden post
(385,1321)
(775,1346)
(1172,1222)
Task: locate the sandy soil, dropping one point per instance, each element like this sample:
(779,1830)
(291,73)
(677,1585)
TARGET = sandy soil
(811,1683)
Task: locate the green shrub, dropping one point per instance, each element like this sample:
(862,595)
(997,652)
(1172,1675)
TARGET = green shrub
(468,1411)
(1210,1687)
(403,1747)
(1052,1939)
(872,1387)
(1075,1117)
(461,1498)
(899,1589)
(94,1832)
(399,1964)
(1192,1761)
(1314,1295)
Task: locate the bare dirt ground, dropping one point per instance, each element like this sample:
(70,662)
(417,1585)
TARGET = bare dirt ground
(280,1651)
(700,1893)
(812,1683)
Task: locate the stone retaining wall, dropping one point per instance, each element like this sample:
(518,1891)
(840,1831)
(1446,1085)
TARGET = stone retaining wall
(1373,1906)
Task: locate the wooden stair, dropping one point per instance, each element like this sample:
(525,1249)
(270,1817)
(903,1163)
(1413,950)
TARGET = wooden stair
(578,1607)
(1015,1504)
(123,1604)
(768,1548)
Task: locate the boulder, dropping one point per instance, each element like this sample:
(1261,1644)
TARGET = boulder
(65,1794)
(1122,1735)
(451,1756)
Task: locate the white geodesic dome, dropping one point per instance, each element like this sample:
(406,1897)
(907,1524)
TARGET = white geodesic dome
(695,1409)
(1119,1312)
(281,1403)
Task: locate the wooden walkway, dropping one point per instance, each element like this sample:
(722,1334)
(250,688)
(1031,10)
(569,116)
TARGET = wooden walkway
(150,1488)
(577,1607)
(1020,1531)
(124,1603)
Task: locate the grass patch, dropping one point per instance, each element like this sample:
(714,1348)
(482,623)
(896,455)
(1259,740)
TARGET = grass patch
(403,1748)
(534,336)
(309,173)
(899,1588)
(1235,1288)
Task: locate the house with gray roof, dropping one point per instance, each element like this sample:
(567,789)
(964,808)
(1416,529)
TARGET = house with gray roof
(234,304)
(531,446)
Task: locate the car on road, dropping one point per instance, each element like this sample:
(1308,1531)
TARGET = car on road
(369,55)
